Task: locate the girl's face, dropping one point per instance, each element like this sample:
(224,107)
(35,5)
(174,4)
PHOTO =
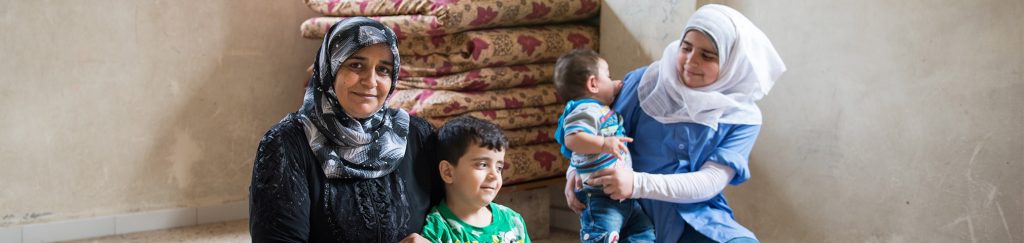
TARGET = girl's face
(363,80)
(697,61)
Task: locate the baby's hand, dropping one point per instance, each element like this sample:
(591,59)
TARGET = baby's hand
(616,146)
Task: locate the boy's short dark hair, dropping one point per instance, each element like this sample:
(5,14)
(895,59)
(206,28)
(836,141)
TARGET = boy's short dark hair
(456,135)
(572,71)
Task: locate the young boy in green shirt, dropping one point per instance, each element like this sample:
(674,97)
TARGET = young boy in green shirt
(473,155)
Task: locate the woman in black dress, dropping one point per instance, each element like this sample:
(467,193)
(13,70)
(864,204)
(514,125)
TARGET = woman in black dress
(344,167)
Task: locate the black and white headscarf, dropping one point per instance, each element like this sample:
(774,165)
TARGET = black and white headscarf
(351,147)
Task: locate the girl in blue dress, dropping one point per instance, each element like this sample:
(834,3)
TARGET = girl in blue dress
(694,122)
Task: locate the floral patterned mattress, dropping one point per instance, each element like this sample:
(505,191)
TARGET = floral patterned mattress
(441,17)
(435,103)
(466,51)
(510,119)
(531,135)
(489,78)
(532,162)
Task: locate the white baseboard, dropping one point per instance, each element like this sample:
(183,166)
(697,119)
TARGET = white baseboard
(10,234)
(125,223)
(68,229)
(154,220)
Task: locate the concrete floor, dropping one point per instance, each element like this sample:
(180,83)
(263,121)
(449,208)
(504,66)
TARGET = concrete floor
(238,231)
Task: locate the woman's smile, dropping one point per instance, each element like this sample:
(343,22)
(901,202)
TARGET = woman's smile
(692,73)
(364,95)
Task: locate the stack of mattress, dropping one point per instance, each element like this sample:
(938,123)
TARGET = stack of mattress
(490,59)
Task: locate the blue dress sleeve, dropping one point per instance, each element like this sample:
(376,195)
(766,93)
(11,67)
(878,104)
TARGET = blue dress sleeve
(734,150)
(627,104)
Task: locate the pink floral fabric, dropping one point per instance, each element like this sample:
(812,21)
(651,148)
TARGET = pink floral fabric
(532,162)
(531,135)
(509,119)
(434,103)
(441,17)
(490,78)
(373,7)
(428,57)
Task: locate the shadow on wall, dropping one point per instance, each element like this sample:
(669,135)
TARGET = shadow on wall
(731,3)
(634,34)
(765,219)
(618,45)
(240,72)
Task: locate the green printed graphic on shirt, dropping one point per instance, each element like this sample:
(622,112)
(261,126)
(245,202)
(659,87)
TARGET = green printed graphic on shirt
(506,226)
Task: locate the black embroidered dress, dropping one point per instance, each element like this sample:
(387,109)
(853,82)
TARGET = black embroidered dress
(296,203)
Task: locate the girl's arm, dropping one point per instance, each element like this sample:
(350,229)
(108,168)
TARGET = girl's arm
(728,164)
(691,187)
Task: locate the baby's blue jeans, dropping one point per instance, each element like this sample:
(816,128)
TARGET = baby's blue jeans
(608,220)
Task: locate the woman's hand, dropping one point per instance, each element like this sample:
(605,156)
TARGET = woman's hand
(616,180)
(573,183)
(414,238)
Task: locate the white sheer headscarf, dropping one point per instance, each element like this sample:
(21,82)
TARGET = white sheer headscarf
(748,68)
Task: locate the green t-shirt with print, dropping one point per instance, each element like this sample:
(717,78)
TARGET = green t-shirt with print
(506,226)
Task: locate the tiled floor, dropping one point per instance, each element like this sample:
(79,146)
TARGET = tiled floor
(238,231)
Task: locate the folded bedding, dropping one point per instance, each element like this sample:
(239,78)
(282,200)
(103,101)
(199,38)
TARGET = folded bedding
(441,17)
(492,48)
(490,78)
(531,135)
(532,162)
(512,118)
(434,103)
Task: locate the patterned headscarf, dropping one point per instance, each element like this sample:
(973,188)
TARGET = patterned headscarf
(352,147)
(748,64)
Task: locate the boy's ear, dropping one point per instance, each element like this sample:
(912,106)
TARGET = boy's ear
(592,84)
(447,171)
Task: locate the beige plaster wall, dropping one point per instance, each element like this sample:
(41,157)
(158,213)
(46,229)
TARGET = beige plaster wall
(116,106)
(634,33)
(898,121)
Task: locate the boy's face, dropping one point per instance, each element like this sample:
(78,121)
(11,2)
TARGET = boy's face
(477,177)
(606,87)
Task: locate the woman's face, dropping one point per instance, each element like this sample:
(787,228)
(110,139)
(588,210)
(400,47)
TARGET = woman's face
(363,80)
(697,60)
